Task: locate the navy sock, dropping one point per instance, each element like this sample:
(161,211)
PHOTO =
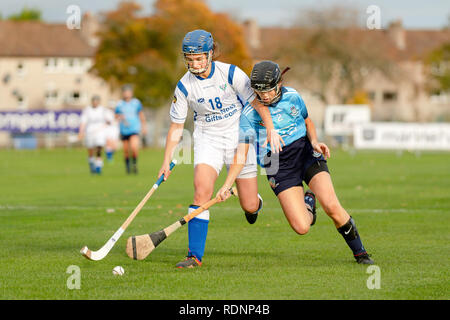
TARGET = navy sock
(127,164)
(134,162)
(351,236)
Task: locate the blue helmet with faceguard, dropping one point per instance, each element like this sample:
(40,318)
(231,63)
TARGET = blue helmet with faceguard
(198,42)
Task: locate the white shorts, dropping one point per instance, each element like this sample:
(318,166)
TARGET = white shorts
(112,132)
(216,157)
(95,140)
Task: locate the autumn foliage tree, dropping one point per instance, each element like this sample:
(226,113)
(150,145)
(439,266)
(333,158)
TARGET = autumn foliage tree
(146,50)
(438,62)
(332,56)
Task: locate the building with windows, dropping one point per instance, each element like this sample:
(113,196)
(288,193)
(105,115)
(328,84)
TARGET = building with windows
(46,67)
(405,97)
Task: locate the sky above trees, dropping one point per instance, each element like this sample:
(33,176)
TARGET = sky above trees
(414,13)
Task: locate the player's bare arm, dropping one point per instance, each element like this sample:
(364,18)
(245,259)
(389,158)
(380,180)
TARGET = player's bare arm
(273,138)
(81,131)
(143,122)
(312,136)
(240,157)
(172,140)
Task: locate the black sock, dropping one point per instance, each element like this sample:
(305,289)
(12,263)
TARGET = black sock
(134,164)
(351,236)
(127,164)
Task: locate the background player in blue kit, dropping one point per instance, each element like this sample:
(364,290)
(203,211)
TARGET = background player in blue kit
(302,159)
(131,118)
(216,93)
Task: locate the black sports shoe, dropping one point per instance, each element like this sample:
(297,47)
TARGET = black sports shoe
(251,217)
(364,258)
(189,262)
(310,201)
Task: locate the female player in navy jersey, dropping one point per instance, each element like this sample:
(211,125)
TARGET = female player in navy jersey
(303,159)
(216,93)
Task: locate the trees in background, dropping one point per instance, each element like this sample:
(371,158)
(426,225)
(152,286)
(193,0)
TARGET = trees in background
(146,50)
(332,55)
(26,14)
(438,62)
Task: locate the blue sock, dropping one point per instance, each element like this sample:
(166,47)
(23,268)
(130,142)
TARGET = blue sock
(197,232)
(98,166)
(109,155)
(92,164)
(351,236)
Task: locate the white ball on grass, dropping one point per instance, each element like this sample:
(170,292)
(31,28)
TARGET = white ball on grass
(118,271)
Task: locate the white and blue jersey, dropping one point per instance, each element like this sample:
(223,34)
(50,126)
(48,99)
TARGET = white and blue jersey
(288,117)
(130,110)
(216,101)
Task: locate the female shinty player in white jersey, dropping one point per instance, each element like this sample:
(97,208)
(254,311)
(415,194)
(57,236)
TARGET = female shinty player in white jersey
(216,92)
(94,120)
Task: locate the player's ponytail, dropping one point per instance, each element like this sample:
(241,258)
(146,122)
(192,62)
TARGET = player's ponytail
(216,51)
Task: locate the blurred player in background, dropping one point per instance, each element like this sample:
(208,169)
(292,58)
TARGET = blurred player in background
(301,160)
(112,137)
(215,92)
(131,118)
(94,120)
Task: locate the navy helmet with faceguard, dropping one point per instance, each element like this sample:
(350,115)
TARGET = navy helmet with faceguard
(265,76)
(198,42)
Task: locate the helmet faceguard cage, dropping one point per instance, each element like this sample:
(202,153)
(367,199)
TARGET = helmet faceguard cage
(198,42)
(265,76)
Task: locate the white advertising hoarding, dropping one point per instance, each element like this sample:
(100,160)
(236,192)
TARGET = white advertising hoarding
(340,119)
(402,136)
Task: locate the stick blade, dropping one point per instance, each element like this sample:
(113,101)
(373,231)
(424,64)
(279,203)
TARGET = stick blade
(139,247)
(93,255)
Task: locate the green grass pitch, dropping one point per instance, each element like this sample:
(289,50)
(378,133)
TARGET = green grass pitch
(50,206)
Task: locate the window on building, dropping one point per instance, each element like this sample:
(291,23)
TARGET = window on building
(389,96)
(75,65)
(51,97)
(371,95)
(20,68)
(440,97)
(6,78)
(75,97)
(51,64)
(21,102)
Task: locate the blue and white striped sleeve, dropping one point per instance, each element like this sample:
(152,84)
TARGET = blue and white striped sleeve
(179,107)
(241,84)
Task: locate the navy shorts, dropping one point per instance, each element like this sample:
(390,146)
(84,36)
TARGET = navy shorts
(126,137)
(297,162)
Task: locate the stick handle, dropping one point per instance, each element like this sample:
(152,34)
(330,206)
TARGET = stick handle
(205,206)
(147,196)
(166,232)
